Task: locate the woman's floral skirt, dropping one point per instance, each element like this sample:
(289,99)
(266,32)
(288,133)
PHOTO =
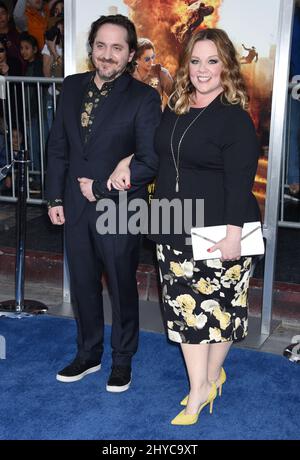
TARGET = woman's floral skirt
(204,301)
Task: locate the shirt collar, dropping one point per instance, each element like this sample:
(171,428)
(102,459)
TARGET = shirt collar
(108,85)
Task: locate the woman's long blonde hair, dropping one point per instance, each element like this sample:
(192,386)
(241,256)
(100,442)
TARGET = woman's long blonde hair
(232,81)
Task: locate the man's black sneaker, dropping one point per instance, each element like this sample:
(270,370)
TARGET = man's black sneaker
(119,379)
(77,370)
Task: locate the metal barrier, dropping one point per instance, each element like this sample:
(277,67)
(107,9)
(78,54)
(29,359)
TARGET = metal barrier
(276,149)
(19,304)
(294,98)
(27,109)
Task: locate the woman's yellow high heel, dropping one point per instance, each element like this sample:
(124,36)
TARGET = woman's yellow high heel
(222,380)
(189,419)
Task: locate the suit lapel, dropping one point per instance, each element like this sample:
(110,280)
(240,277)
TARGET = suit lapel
(109,105)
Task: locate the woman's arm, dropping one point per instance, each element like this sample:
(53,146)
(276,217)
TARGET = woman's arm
(120,177)
(144,162)
(240,157)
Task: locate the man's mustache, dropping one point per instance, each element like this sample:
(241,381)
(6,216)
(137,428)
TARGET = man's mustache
(108,61)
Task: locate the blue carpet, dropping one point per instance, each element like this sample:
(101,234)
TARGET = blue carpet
(261,399)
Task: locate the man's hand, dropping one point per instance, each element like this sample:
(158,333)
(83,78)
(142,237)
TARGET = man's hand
(56,214)
(86,188)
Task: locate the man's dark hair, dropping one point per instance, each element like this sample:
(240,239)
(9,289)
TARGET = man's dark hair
(118,20)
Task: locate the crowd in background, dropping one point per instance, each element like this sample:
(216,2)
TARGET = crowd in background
(31,45)
(31,35)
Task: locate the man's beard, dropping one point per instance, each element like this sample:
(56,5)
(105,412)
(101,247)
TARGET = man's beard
(110,75)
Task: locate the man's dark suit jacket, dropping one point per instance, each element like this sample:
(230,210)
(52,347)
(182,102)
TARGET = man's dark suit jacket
(125,124)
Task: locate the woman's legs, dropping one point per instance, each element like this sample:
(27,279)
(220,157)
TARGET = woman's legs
(196,360)
(216,357)
(204,363)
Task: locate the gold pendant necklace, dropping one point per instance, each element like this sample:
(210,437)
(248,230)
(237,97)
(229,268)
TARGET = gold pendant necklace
(176,160)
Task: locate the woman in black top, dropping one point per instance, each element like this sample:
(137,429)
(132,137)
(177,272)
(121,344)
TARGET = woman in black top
(208,150)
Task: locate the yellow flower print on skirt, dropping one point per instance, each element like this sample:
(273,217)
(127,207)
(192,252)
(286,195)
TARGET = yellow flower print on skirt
(186,303)
(207,286)
(204,301)
(176,269)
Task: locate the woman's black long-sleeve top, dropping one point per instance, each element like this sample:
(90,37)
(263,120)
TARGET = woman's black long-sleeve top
(217,163)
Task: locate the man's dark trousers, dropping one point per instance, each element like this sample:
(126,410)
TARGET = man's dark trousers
(89,256)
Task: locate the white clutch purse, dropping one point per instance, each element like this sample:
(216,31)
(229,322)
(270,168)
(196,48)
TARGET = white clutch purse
(204,238)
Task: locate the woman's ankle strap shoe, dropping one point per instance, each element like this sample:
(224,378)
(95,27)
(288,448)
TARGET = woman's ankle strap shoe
(222,379)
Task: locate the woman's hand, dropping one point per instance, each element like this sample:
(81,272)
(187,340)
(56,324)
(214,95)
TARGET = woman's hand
(120,178)
(230,246)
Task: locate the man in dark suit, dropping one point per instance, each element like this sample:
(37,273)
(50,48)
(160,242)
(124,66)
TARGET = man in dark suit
(102,117)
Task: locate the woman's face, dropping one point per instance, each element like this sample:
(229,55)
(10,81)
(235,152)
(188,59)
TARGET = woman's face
(27,51)
(146,60)
(205,68)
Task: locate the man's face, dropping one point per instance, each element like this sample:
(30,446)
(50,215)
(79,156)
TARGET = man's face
(110,53)
(36,4)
